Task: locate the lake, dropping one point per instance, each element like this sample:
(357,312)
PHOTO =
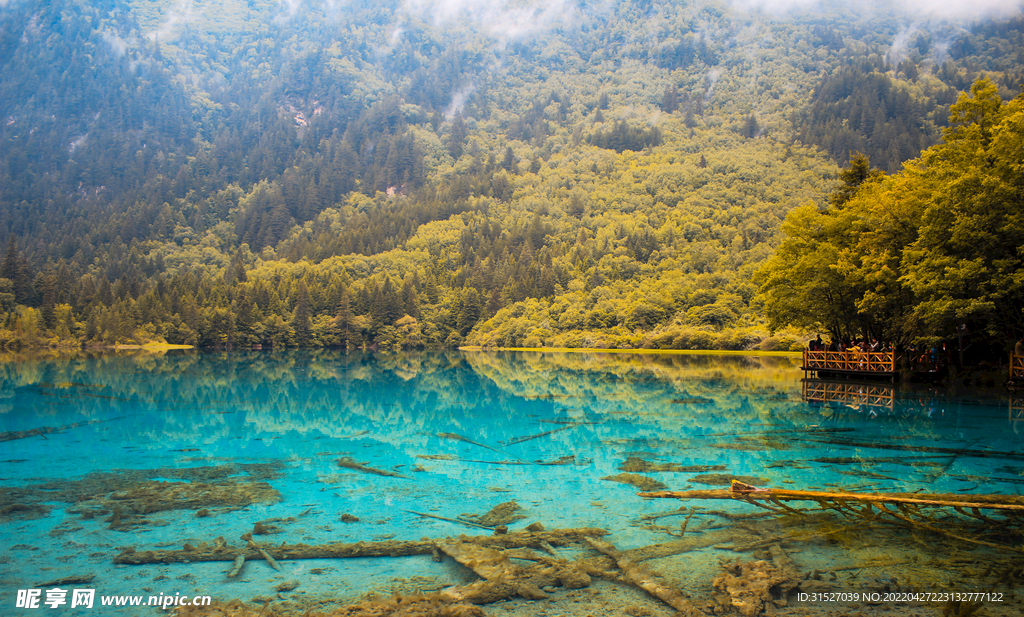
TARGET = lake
(186,452)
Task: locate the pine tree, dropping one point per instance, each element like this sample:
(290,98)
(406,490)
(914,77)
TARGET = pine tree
(853,177)
(301,321)
(343,320)
(457,136)
(670,100)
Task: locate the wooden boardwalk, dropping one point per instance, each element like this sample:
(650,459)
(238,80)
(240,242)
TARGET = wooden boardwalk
(1016,413)
(865,364)
(1016,367)
(849,393)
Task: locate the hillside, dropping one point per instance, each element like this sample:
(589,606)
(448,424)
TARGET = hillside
(433,175)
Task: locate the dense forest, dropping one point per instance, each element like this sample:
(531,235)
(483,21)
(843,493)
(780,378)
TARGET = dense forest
(928,254)
(244,173)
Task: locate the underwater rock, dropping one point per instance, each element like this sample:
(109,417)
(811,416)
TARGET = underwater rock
(501,514)
(24,511)
(638,465)
(641,482)
(747,587)
(348,518)
(155,496)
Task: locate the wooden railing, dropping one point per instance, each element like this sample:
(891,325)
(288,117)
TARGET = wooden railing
(861,361)
(849,393)
(1016,367)
(1016,415)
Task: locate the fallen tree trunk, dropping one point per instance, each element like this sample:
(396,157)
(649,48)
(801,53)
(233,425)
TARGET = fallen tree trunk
(905,508)
(1011,503)
(647,580)
(504,579)
(341,550)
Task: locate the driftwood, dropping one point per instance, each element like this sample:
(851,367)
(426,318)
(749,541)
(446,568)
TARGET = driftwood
(342,550)
(43,431)
(450,520)
(646,580)
(503,579)
(516,440)
(458,437)
(1012,503)
(67,580)
(852,443)
(236,568)
(892,507)
(348,463)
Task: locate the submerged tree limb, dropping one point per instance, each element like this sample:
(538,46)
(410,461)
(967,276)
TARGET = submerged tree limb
(503,579)
(342,550)
(646,580)
(1009,503)
(900,507)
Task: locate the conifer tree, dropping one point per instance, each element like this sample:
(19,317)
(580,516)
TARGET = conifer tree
(301,321)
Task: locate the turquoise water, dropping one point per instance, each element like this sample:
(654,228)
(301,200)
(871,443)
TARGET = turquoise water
(256,437)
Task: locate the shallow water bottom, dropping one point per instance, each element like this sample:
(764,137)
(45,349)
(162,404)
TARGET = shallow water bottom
(106,454)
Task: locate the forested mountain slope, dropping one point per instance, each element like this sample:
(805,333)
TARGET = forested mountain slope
(437,174)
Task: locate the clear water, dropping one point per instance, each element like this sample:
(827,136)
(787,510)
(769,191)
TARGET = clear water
(287,418)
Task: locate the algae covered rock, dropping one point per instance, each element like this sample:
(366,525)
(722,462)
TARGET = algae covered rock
(641,482)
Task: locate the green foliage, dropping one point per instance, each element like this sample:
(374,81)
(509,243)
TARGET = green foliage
(868,108)
(920,255)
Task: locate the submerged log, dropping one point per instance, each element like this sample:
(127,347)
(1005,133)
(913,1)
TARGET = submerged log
(516,440)
(342,550)
(1011,503)
(504,579)
(449,520)
(458,437)
(904,508)
(236,568)
(348,463)
(647,580)
(43,431)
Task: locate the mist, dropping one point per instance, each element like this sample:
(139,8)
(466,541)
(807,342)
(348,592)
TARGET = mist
(502,19)
(508,19)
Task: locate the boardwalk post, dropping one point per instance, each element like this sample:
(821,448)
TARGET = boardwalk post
(1016,367)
